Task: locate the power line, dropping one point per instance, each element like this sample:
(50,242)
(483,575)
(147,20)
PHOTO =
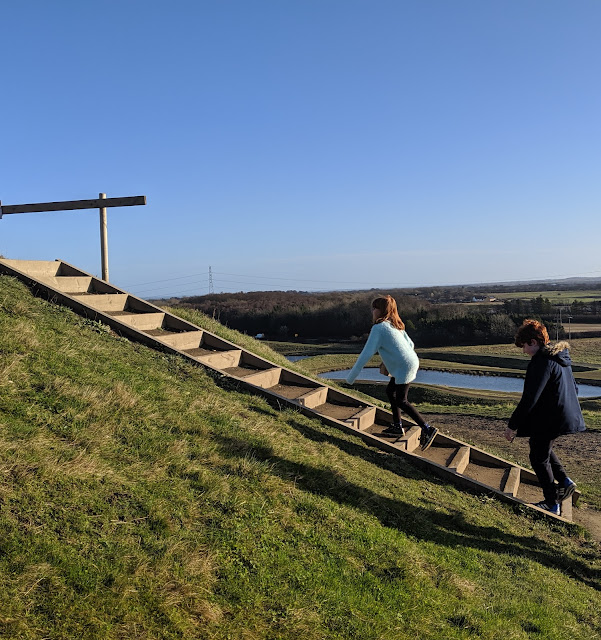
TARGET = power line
(297,279)
(241,275)
(168,286)
(148,292)
(141,284)
(374,285)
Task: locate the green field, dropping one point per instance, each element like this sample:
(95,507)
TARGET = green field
(554,296)
(582,350)
(313,349)
(145,498)
(585,353)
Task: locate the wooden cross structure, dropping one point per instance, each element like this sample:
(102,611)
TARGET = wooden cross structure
(101,203)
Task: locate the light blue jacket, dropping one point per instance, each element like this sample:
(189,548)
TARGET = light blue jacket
(396,350)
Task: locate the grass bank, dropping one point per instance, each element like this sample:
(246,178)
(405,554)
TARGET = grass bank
(142,497)
(313,349)
(336,361)
(583,351)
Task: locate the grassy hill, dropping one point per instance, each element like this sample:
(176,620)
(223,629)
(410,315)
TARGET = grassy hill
(144,498)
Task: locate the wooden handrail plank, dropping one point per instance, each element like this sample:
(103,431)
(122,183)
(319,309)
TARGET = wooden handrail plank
(66,205)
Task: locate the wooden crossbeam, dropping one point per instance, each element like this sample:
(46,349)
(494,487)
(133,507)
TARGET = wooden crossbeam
(99,203)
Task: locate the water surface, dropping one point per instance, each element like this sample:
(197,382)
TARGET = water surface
(460,380)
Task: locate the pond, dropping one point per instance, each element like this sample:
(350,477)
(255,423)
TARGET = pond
(459,380)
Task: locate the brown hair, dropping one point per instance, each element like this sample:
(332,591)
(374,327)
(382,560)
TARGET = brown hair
(531,330)
(389,312)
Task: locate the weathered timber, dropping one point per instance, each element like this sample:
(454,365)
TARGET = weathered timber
(67,205)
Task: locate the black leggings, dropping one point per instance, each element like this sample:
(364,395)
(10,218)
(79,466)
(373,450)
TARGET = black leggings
(397,394)
(547,466)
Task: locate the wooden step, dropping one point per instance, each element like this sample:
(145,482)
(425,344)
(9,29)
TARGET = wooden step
(512,481)
(566,509)
(182,341)
(40,269)
(140,321)
(292,385)
(290,391)
(109,302)
(486,470)
(363,419)
(460,460)
(70,284)
(410,441)
(266,378)
(314,398)
(222,360)
(247,366)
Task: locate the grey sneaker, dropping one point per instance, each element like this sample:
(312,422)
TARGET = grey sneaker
(565,492)
(427,437)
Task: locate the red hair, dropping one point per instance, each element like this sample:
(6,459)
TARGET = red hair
(388,312)
(531,330)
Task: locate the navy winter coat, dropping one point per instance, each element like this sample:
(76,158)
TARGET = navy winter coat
(549,403)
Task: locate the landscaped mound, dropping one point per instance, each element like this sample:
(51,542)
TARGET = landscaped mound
(141,497)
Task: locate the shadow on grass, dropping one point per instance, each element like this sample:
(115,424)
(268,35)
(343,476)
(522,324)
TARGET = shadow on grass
(382,459)
(271,412)
(423,522)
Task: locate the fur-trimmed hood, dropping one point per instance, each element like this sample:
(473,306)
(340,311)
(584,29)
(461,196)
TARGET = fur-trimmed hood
(558,351)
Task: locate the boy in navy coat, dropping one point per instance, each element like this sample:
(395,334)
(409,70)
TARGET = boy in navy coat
(549,408)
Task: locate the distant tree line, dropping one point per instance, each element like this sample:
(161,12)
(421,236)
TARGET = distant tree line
(294,315)
(538,306)
(580,311)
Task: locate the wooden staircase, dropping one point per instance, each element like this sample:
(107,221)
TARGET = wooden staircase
(455,461)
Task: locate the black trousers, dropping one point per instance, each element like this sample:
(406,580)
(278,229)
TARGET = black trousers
(397,395)
(547,466)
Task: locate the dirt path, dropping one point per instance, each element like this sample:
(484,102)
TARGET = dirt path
(580,453)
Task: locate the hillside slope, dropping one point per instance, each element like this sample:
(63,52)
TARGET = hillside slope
(140,497)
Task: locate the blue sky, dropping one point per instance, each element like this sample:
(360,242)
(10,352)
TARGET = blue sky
(305,144)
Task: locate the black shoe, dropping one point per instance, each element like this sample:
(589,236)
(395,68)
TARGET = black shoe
(427,437)
(567,491)
(395,429)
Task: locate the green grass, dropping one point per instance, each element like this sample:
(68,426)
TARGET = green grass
(582,350)
(338,361)
(302,349)
(142,497)
(585,353)
(554,296)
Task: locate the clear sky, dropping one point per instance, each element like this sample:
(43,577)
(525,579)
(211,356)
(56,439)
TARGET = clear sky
(305,144)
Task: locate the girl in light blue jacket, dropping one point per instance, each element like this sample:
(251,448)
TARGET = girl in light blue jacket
(389,338)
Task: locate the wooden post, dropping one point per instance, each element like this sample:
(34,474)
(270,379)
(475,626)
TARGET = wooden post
(104,252)
(102,203)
